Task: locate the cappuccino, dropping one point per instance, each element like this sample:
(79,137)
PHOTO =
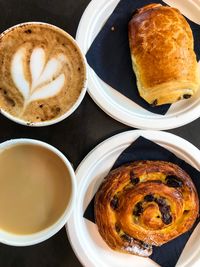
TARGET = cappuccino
(42,72)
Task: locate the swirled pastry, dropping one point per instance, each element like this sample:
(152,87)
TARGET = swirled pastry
(145,203)
(162,52)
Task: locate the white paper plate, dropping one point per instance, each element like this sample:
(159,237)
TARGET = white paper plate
(88,245)
(112,102)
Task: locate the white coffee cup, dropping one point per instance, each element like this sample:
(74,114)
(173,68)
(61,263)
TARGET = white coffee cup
(81,95)
(35,238)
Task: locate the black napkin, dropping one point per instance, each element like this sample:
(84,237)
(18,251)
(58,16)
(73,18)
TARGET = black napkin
(109,54)
(143,149)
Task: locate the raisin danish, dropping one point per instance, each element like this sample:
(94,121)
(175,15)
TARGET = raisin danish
(145,203)
(162,52)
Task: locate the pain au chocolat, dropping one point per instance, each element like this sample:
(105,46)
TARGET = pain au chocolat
(162,52)
(145,203)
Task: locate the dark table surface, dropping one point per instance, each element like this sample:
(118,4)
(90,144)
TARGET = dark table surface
(75,136)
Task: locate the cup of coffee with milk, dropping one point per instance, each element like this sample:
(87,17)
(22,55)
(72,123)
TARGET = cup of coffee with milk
(37,191)
(42,81)
(42,74)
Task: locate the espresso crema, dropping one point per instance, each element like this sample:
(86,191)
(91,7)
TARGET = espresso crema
(42,72)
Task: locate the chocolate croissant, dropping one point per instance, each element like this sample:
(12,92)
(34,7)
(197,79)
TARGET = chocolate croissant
(162,52)
(145,203)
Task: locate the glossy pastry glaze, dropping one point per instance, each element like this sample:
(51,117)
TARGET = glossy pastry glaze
(145,203)
(162,52)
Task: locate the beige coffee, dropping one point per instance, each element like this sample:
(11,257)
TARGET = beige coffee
(35,189)
(42,72)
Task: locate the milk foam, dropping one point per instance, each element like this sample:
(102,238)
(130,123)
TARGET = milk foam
(47,78)
(42,73)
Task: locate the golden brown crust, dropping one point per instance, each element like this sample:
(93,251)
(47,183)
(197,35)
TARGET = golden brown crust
(162,52)
(145,203)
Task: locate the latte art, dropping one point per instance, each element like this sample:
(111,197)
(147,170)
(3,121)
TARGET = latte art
(47,79)
(42,72)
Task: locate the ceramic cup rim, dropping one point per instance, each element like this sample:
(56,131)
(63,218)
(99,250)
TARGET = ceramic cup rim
(83,90)
(38,237)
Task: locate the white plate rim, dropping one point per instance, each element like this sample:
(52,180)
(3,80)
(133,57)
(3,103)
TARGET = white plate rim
(91,160)
(113,109)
